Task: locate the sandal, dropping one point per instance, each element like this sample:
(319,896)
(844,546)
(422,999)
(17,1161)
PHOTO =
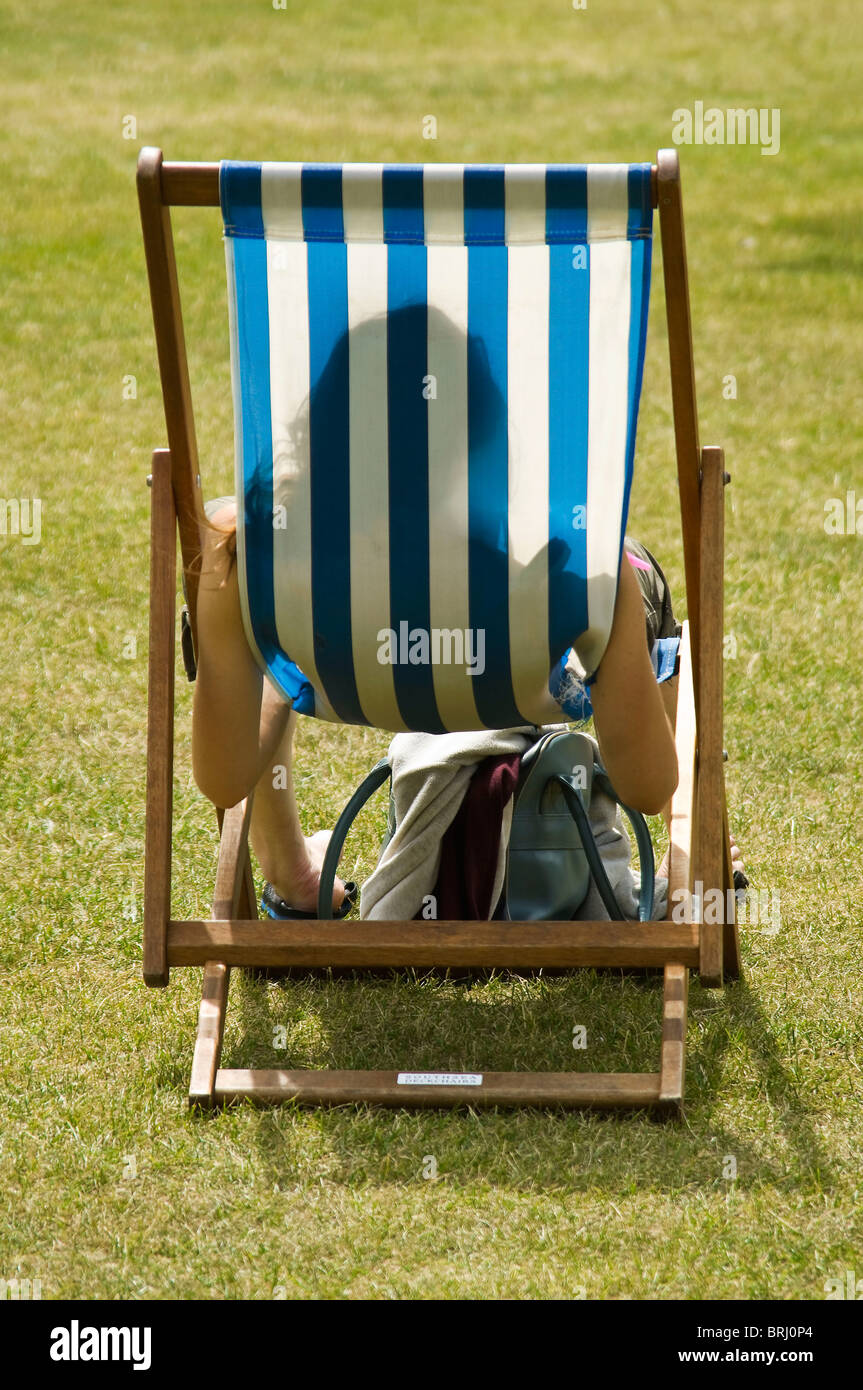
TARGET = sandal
(275,907)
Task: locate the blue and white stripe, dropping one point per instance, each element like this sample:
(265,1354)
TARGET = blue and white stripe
(434,368)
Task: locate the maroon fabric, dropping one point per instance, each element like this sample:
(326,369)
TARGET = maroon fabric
(469,848)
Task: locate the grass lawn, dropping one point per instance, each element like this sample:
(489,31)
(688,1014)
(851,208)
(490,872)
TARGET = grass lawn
(111,1189)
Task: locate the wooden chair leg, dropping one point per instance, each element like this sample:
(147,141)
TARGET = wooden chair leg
(247,906)
(233,872)
(679,320)
(173,368)
(248,898)
(710,857)
(160,721)
(672,1066)
(211,1030)
(234,891)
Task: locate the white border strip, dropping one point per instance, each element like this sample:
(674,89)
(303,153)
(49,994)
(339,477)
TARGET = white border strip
(288,308)
(369,482)
(608,409)
(449,593)
(527,506)
(607,202)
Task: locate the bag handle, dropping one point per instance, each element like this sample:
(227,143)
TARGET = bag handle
(382,771)
(369,785)
(642,839)
(644,843)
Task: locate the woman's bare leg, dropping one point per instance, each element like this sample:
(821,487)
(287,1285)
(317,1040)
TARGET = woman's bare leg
(289,860)
(242,736)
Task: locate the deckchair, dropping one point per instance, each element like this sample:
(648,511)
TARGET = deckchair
(436,375)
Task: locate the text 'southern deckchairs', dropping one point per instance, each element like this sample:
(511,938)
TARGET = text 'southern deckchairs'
(436,374)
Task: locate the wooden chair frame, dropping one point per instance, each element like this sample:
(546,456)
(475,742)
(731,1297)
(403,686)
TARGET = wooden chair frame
(233,936)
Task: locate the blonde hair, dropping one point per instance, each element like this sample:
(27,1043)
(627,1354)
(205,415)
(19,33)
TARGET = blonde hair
(227,531)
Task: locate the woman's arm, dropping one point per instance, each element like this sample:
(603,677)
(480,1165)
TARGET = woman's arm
(635,737)
(237,720)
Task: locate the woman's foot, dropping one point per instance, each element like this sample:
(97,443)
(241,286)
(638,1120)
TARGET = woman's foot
(297,876)
(738,871)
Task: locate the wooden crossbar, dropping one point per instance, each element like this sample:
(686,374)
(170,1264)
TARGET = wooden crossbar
(509,945)
(503,1088)
(197,185)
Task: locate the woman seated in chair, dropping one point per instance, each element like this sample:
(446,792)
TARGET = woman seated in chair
(243,729)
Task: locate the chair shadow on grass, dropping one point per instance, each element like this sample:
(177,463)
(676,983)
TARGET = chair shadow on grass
(410,1021)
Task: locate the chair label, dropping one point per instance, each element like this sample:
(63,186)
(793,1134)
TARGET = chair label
(439,1078)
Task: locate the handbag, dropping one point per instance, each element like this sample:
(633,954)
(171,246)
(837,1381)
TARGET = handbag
(552,854)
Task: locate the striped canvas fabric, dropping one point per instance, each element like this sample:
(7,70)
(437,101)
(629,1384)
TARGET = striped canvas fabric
(436,374)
